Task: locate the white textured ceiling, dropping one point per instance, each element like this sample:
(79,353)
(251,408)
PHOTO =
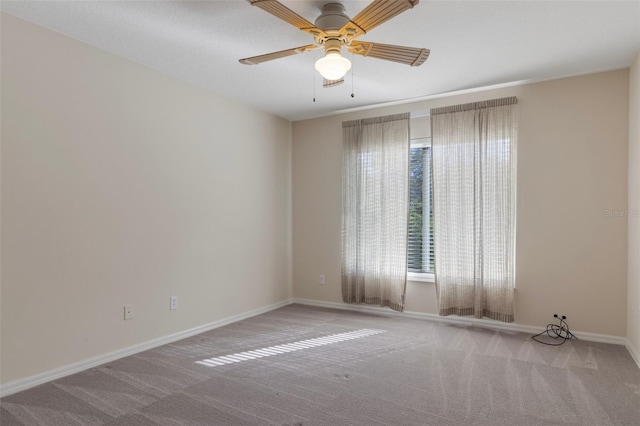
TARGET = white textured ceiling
(473,44)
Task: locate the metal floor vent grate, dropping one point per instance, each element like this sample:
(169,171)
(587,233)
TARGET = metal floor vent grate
(288,347)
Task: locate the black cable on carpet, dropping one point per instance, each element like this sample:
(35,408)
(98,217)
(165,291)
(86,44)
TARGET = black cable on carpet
(558,332)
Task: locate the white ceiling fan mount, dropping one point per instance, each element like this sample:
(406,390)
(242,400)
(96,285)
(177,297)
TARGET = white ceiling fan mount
(332,17)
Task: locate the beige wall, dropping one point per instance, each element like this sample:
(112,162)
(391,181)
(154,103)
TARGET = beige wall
(121,185)
(633,296)
(572,168)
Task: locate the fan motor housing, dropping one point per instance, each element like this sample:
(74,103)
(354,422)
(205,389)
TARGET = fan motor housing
(332,17)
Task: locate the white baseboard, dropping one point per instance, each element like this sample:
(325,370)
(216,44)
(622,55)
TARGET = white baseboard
(591,337)
(635,354)
(38,379)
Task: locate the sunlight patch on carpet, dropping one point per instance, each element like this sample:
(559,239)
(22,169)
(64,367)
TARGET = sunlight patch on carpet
(288,347)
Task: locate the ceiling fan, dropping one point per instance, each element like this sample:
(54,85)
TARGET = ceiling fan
(333,30)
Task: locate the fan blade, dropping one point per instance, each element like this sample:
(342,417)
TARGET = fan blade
(378,12)
(331,83)
(255,60)
(413,56)
(281,11)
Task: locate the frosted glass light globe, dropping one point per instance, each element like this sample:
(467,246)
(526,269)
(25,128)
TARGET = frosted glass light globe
(333,66)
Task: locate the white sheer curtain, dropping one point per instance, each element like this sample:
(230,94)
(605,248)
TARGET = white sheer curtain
(474,203)
(375,191)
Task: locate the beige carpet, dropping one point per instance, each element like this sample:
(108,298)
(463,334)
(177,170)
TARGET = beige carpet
(302,365)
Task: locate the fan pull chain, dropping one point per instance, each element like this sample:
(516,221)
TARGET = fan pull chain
(352,62)
(314,86)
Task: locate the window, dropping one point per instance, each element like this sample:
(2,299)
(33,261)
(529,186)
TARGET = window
(420,237)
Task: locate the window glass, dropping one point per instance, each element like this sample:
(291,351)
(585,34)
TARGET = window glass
(420,244)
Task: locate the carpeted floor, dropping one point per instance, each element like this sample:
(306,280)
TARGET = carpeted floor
(302,365)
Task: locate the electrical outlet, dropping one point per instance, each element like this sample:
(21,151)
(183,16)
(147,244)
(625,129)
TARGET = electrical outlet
(321,279)
(173,303)
(128,312)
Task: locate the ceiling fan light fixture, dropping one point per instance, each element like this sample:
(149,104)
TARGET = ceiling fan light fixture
(333,66)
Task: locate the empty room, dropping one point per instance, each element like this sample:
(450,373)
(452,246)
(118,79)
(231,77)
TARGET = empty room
(274,212)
